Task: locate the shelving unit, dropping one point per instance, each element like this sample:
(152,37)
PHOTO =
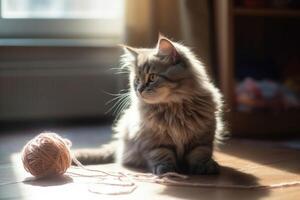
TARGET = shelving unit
(251,124)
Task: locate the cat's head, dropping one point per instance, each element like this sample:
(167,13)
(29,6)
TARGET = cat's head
(162,74)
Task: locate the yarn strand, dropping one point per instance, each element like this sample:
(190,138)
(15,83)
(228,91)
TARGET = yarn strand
(173,179)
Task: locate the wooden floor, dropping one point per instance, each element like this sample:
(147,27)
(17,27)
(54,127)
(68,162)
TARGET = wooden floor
(244,162)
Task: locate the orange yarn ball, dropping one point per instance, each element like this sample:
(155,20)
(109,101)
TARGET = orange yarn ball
(47,155)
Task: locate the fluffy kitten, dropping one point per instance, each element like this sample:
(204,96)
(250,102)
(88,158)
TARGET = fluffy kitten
(174,116)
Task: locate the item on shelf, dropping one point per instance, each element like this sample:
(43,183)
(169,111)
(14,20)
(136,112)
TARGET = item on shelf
(293,83)
(254,95)
(291,74)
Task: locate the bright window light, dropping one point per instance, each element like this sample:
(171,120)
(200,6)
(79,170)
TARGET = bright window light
(66,9)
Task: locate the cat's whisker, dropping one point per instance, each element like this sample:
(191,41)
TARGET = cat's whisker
(119,107)
(117,73)
(117,94)
(113,99)
(113,107)
(114,68)
(124,106)
(119,70)
(119,101)
(124,103)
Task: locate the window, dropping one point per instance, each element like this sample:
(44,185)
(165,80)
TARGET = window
(61,19)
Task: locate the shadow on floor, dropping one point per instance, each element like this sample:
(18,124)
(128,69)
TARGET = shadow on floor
(228,177)
(54,181)
(265,153)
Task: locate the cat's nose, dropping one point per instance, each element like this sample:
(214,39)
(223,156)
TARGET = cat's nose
(141,88)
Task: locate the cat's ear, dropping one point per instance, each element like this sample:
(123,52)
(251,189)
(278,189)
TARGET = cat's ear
(165,47)
(130,50)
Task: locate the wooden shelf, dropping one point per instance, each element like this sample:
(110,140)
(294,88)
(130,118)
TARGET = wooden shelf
(266,12)
(256,124)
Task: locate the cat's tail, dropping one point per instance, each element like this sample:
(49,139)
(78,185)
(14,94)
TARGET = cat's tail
(104,154)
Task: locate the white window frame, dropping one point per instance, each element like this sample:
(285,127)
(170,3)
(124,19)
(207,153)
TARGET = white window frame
(18,28)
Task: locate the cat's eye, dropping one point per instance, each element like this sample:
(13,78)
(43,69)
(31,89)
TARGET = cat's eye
(152,77)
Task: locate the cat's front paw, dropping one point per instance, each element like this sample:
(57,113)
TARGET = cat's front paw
(163,168)
(206,167)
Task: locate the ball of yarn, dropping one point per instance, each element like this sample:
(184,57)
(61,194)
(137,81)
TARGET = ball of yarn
(46,155)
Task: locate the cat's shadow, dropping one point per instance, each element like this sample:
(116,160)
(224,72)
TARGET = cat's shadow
(227,176)
(52,181)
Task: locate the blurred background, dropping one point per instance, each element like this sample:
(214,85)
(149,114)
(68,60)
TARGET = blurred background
(59,58)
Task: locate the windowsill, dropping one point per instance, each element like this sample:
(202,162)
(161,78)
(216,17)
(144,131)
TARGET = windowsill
(62,42)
